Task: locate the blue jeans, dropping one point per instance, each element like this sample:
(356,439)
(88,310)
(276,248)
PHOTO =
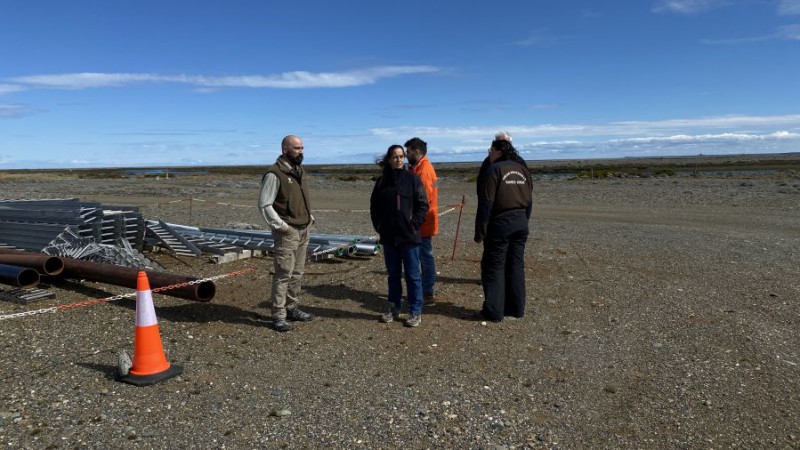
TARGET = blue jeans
(428,266)
(398,258)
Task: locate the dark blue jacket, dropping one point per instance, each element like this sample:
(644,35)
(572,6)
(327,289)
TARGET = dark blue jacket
(397,207)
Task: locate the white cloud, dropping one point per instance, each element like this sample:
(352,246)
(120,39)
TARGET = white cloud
(729,121)
(286,80)
(539,38)
(790,32)
(733,41)
(15,111)
(688,6)
(679,144)
(9,88)
(707,135)
(625,128)
(86,80)
(785,7)
(788,7)
(705,138)
(683,136)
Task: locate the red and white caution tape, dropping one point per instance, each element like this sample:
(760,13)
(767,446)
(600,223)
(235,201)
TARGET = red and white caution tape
(97,301)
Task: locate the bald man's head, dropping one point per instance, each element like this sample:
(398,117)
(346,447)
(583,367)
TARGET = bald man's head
(292,148)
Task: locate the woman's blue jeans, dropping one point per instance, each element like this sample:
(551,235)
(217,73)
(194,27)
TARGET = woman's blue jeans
(428,266)
(399,259)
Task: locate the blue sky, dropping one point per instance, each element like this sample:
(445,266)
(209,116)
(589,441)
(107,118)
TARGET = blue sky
(181,83)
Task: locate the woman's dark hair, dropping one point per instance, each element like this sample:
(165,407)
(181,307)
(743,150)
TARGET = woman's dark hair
(383,161)
(508,152)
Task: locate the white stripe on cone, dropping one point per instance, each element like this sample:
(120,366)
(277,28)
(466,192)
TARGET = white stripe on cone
(145,311)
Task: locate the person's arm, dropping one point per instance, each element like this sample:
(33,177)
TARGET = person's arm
(529,209)
(420,203)
(269,190)
(485,204)
(375,211)
(428,178)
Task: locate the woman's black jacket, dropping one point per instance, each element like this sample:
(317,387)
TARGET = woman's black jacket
(397,207)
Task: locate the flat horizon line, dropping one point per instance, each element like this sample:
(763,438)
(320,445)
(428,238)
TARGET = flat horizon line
(625,159)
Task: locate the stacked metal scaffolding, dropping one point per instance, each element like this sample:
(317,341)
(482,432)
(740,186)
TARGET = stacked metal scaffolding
(117,234)
(70,227)
(322,246)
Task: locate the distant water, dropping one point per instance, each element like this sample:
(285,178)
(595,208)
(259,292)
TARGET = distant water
(686,173)
(680,173)
(556,176)
(164,172)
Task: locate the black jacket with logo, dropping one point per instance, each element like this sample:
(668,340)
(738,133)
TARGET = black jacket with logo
(397,207)
(502,187)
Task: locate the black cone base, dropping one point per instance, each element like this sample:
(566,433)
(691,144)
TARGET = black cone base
(147,380)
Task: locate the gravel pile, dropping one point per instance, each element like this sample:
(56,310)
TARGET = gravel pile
(662,313)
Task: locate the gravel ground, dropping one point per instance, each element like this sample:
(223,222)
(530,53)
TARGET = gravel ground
(662,313)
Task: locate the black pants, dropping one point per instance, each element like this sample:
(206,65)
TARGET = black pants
(503,266)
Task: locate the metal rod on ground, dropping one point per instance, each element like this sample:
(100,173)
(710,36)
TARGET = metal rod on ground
(127,277)
(23,277)
(367,249)
(458,226)
(44,264)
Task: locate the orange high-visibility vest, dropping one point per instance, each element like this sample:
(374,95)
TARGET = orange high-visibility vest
(424,170)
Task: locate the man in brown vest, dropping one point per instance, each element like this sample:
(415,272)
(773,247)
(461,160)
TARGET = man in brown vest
(284,204)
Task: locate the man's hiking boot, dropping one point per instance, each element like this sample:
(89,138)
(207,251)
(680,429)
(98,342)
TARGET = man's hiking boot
(281,325)
(297,315)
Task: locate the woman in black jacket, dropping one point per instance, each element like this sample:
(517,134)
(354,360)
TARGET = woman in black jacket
(501,224)
(397,208)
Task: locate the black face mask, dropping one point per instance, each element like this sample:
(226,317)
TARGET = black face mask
(297,160)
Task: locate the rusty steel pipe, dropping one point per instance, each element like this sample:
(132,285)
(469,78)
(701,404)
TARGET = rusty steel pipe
(44,264)
(23,277)
(127,276)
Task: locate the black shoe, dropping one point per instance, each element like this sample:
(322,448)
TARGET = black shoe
(297,315)
(428,300)
(480,315)
(281,325)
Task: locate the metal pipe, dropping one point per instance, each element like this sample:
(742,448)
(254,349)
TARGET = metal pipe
(45,264)
(23,277)
(127,276)
(367,249)
(343,249)
(349,238)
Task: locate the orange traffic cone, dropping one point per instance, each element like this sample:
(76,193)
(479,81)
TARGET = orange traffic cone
(149,363)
